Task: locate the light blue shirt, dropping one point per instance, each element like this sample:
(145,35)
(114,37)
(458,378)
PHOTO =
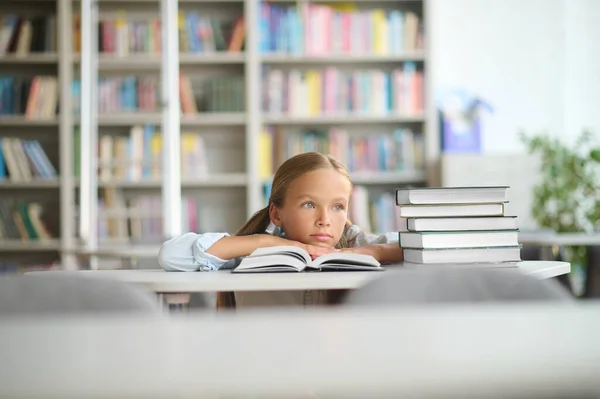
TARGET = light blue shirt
(187,253)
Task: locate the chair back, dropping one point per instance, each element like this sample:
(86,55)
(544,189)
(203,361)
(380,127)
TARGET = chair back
(68,292)
(440,284)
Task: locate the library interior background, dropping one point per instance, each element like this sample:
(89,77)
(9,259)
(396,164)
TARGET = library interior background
(404,93)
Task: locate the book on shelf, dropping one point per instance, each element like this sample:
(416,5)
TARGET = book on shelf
(135,218)
(127,158)
(22,221)
(296,259)
(499,256)
(334,91)
(457,223)
(451,195)
(138,156)
(458,239)
(371,211)
(135,33)
(22,35)
(34,98)
(23,160)
(400,150)
(317,29)
(129,94)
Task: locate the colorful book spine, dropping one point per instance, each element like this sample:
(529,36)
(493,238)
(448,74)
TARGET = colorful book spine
(317,29)
(332,91)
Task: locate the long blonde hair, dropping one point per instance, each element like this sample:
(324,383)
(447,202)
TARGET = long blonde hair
(289,171)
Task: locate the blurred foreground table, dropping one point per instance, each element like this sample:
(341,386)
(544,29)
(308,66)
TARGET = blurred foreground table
(468,351)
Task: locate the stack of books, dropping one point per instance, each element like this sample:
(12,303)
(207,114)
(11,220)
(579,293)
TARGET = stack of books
(457,225)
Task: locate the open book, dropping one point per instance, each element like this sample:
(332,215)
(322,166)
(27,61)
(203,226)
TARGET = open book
(296,259)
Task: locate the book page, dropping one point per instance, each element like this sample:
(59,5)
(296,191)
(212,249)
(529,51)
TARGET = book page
(287,261)
(345,258)
(284,249)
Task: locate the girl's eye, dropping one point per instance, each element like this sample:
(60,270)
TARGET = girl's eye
(338,207)
(308,205)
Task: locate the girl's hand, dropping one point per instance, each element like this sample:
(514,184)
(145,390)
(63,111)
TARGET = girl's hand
(313,250)
(316,251)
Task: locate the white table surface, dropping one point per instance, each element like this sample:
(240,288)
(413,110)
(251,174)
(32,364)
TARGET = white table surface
(180,282)
(418,352)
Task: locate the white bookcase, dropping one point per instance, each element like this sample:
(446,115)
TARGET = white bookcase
(233,188)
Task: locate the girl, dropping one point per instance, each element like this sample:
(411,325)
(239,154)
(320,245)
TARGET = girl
(308,208)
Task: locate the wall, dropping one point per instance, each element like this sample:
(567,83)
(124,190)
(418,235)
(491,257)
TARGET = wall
(535,61)
(582,77)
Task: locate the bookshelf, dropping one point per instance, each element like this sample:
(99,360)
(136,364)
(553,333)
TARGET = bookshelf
(230,183)
(353,83)
(30,133)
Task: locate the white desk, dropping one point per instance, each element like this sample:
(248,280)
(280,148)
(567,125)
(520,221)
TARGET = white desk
(179,282)
(560,239)
(472,351)
(550,247)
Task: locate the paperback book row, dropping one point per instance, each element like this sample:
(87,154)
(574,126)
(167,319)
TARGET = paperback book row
(133,33)
(22,221)
(34,98)
(142,93)
(374,212)
(138,156)
(138,219)
(318,29)
(331,91)
(457,225)
(400,150)
(24,161)
(22,34)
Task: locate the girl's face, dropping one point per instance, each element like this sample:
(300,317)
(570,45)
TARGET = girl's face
(315,208)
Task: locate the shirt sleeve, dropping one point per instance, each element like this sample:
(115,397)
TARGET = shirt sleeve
(357,237)
(187,253)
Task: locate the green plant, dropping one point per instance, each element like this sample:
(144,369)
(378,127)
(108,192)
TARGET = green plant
(567,199)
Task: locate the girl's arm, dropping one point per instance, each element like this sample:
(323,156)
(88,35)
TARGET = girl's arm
(186,253)
(236,246)
(207,252)
(230,247)
(192,252)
